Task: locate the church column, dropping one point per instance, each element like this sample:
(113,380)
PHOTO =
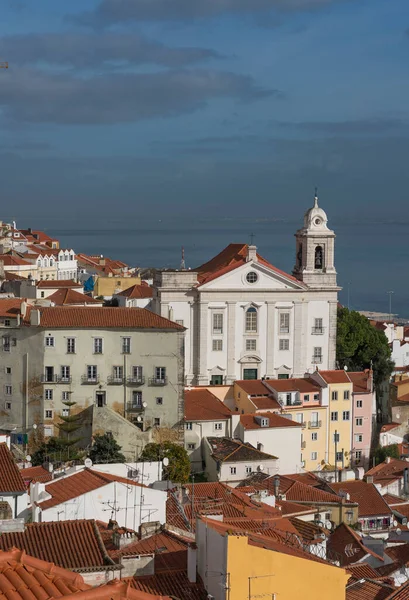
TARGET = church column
(299,350)
(332,334)
(271,339)
(202,329)
(231,338)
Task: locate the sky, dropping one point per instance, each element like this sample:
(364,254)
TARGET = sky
(204,108)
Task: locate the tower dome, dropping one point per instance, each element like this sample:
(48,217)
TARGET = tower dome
(315,218)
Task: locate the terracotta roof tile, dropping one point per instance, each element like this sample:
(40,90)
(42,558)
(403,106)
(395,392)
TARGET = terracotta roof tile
(348,544)
(137,291)
(36,474)
(386,472)
(307,478)
(175,584)
(13,261)
(275,421)
(69,544)
(360,381)
(334,376)
(401,594)
(253,387)
(368,590)
(308,530)
(96,317)
(392,500)
(361,571)
(389,426)
(58,283)
(265,403)
(10,475)
(67,296)
(225,449)
(295,384)
(10,307)
(202,405)
(369,500)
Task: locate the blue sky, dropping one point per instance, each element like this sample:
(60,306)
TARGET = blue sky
(193,106)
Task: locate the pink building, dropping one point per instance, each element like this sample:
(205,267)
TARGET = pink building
(363,416)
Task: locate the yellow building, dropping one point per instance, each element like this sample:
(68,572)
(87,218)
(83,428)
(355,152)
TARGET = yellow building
(248,566)
(107,286)
(338,388)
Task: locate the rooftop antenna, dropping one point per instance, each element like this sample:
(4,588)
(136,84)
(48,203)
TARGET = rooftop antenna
(252,236)
(182,262)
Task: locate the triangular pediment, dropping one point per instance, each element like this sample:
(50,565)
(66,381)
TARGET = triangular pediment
(266,278)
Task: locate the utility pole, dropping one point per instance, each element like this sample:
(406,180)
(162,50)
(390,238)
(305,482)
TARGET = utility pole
(336,452)
(390,304)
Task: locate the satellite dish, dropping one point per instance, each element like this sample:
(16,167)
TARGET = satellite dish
(88,463)
(144,404)
(345,368)
(328,524)
(165,461)
(398,416)
(398,531)
(35,426)
(28,458)
(395,523)
(139,419)
(260,467)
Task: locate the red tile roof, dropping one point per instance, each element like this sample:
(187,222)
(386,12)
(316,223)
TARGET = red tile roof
(11,480)
(58,283)
(274,421)
(67,488)
(349,545)
(137,291)
(233,256)
(368,590)
(265,403)
(296,384)
(69,544)
(13,261)
(389,426)
(386,472)
(174,583)
(38,236)
(370,502)
(253,387)
(228,450)
(361,571)
(399,553)
(10,307)
(339,376)
(307,478)
(360,381)
(67,296)
(401,594)
(392,500)
(36,474)
(202,405)
(99,318)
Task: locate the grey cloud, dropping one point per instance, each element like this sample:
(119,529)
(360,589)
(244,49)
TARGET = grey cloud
(120,11)
(90,50)
(37,96)
(351,127)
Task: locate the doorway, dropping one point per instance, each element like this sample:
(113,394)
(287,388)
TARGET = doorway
(100,399)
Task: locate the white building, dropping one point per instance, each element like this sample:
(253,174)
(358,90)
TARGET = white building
(246,319)
(13,490)
(136,296)
(100,496)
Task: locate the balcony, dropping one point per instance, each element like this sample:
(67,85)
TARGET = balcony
(317,360)
(317,331)
(158,381)
(135,408)
(293,403)
(112,380)
(314,424)
(85,379)
(55,379)
(135,380)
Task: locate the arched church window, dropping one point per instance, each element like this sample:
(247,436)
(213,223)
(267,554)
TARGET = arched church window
(319,257)
(251,320)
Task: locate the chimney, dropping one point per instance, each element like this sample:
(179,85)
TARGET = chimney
(112,524)
(191,562)
(276,485)
(251,253)
(35,317)
(388,460)
(369,479)
(23,309)
(121,540)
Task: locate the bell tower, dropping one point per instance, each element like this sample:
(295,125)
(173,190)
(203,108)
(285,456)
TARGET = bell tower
(315,250)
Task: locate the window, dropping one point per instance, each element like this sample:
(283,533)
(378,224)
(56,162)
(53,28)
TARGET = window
(180,322)
(251,345)
(334,416)
(160,374)
(7,322)
(6,343)
(346,395)
(48,394)
(317,357)
(42,294)
(191,446)
(358,422)
(98,345)
(118,373)
(299,417)
(251,277)
(65,373)
(65,396)
(284,344)
(8,405)
(8,390)
(216,380)
(217,345)
(339,457)
(284,322)
(157,422)
(318,328)
(189,426)
(359,403)
(314,437)
(251,320)
(92,372)
(70,345)
(248,470)
(314,455)
(358,437)
(358,455)
(316,396)
(345,415)
(314,419)
(335,438)
(217,323)
(126,345)
(327,516)
(49,341)
(306,397)
(137,399)
(65,412)
(159,401)
(218,426)
(48,414)
(8,370)
(232,470)
(318,258)
(334,396)
(137,373)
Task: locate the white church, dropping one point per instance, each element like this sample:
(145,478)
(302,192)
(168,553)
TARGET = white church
(246,319)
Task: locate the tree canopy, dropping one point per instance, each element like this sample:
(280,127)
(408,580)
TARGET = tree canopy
(53,450)
(360,345)
(381,452)
(106,449)
(178,469)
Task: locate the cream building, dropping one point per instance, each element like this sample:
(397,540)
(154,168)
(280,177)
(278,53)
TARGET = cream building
(246,319)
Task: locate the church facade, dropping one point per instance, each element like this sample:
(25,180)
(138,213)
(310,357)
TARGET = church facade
(246,319)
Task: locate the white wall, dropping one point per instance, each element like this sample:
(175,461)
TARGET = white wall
(149,472)
(285,443)
(388,438)
(212,560)
(226,476)
(200,430)
(400,353)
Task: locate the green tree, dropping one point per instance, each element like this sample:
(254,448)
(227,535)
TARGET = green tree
(178,469)
(381,452)
(105,449)
(70,424)
(52,450)
(360,346)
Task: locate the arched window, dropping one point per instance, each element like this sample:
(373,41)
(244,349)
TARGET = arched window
(319,257)
(251,320)
(46,262)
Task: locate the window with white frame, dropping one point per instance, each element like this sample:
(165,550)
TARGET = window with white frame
(233,470)
(71,345)
(92,372)
(284,344)
(137,373)
(284,322)
(314,436)
(49,341)
(136,399)
(316,396)
(306,398)
(314,455)
(118,372)
(217,345)
(160,374)
(8,390)
(334,396)
(358,421)
(191,446)
(318,328)
(65,412)
(358,437)
(48,414)
(317,356)
(334,416)
(346,394)
(248,470)
(217,323)
(251,345)
(359,403)
(189,426)
(98,345)
(65,373)
(358,455)
(65,396)
(48,394)
(218,426)
(251,320)
(345,415)
(126,345)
